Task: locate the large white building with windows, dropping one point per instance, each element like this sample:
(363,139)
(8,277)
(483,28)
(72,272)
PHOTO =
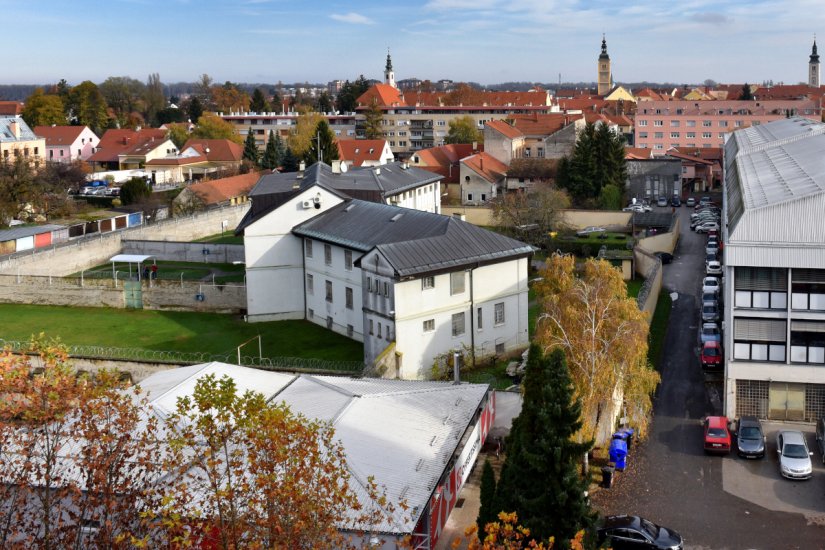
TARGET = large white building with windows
(411,285)
(774,285)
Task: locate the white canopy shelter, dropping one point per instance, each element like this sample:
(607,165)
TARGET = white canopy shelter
(130,259)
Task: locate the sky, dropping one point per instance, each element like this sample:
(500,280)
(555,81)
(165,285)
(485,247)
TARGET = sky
(485,41)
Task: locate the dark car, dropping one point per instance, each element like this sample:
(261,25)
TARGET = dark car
(630,532)
(750,439)
(665,257)
(675,201)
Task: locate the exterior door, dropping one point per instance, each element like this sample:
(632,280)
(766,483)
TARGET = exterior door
(133,294)
(787,401)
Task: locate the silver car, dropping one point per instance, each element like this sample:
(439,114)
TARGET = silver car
(794,457)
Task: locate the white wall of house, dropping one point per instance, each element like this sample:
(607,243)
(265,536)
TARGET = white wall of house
(475,190)
(80,149)
(335,266)
(274,258)
(426,198)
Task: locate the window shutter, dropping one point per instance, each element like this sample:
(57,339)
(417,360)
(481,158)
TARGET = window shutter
(807,326)
(761,278)
(760,330)
(808,275)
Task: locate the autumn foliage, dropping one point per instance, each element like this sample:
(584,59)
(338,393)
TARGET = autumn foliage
(507,534)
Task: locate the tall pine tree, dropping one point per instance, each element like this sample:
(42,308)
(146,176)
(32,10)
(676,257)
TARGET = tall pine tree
(487,513)
(290,161)
(325,138)
(273,152)
(259,103)
(539,479)
(250,148)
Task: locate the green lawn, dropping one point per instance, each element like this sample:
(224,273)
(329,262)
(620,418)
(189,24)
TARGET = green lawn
(174,331)
(221,238)
(634,286)
(658,328)
(172,270)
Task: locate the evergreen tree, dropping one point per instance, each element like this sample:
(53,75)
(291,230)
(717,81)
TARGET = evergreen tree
(272,154)
(195,110)
(290,161)
(746,95)
(324,138)
(324,103)
(373,117)
(539,479)
(250,148)
(259,103)
(597,161)
(487,513)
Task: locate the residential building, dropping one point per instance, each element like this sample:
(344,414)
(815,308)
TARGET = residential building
(364,152)
(229,191)
(503,141)
(445,160)
(18,140)
(525,174)
(117,145)
(197,159)
(605,78)
(701,167)
(548,135)
(651,178)
(774,282)
(68,143)
(813,68)
(661,125)
(482,177)
(410,285)
(11,108)
(283,123)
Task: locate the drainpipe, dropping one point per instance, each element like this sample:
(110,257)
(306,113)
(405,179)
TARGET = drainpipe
(472,322)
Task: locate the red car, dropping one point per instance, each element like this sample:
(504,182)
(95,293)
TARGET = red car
(711,355)
(717,435)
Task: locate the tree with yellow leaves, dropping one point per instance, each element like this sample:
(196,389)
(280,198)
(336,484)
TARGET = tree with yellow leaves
(604,336)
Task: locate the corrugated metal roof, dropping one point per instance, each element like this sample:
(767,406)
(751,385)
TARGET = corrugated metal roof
(402,433)
(411,240)
(21,232)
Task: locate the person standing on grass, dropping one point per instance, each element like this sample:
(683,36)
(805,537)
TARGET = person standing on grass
(154,271)
(146,272)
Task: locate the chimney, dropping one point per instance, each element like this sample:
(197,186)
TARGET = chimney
(14,128)
(481,162)
(377,171)
(302,166)
(475,146)
(456,367)
(336,166)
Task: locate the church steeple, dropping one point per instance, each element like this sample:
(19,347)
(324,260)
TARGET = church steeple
(813,67)
(605,80)
(389,76)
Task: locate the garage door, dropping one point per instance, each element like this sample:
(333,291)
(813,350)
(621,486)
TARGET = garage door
(787,401)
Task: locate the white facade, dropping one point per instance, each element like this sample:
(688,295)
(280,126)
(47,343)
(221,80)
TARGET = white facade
(426,198)
(80,149)
(476,190)
(274,258)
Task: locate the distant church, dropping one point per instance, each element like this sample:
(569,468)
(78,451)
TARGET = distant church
(813,67)
(605,80)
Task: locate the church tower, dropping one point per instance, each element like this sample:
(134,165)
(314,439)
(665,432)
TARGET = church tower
(389,76)
(813,68)
(605,81)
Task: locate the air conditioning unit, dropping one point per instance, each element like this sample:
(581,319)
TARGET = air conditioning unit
(307,204)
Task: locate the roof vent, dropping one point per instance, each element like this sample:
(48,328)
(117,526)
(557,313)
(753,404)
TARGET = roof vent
(349,207)
(377,171)
(396,217)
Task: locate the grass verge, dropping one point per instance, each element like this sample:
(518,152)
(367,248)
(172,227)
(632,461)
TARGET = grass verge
(658,328)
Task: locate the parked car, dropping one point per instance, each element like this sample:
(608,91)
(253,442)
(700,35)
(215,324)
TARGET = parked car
(665,257)
(661,201)
(590,230)
(708,226)
(717,435)
(713,267)
(710,258)
(710,333)
(705,218)
(710,312)
(712,248)
(711,356)
(750,439)
(820,437)
(710,297)
(113,191)
(794,457)
(637,207)
(710,284)
(675,201)
(690,202)
(634,532)
(705,200)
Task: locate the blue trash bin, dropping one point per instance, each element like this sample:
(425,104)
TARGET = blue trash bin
(625,434)
(618,453)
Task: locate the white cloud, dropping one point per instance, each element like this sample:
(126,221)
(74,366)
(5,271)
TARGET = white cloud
(352,17)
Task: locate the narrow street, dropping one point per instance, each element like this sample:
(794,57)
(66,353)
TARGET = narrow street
(671,481)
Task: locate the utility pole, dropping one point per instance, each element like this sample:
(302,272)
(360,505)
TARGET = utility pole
(320,152)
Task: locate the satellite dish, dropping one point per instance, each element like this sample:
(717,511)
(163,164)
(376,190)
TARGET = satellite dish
(343,167)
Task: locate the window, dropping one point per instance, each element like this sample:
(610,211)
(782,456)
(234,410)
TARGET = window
(674,135)
(329,291)
(706,123)
(310,284)
(540,152)
(441,123)
(483,197)
(429,325)
(658,123)
(479,319)
(691,135)
(51,153)
(348,297)
(348,260)
(371,329)
(674,123)
(427,282)
(658,135)
(759,339)
(761,288)
(369,284)
(378,332)
(327,254)
(706,135)
(807,342)
(350,331)
(310,313)
(723,123)
(469,195)
(690,123)
(308,248)
(377,286)
(458,324)
(329,322)
(456,282)
(499,313)
(642,135)
(386,288)
(642,123)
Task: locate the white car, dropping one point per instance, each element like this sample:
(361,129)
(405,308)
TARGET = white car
(710,284)
(589,230)
(794,456)
(713,267)
(638,207)
(708,226)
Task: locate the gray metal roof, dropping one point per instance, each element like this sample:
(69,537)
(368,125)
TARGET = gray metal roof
(414,242)
(389,179)
(7,135)
(22,232)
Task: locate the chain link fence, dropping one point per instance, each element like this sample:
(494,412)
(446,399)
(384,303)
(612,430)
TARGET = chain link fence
(300,364)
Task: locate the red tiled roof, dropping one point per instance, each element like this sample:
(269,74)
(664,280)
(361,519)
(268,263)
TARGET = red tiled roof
(619,120)
(444,160)
(505,129)
(637,153)
(383,94)
(541,124)
(487,166)
(120,141)
(789,91)
(582,104)
(224,189)
(11,108)
(357,151)
(713,154)
(59,135)
(219,150)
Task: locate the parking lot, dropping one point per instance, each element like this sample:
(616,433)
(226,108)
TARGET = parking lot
(715,502)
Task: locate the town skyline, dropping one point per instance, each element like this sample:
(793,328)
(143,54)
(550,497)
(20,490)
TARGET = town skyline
(249,41)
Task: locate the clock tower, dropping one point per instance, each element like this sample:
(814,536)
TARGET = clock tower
(389,76)
(605,82)
(813,68)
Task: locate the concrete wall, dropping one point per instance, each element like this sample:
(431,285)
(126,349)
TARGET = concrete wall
(663,242)
(185,251)
(649,267)
(80,254)
(476,215)
(578,219)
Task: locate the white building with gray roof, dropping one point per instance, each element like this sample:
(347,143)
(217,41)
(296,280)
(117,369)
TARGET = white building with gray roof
(774,251)
(411,285)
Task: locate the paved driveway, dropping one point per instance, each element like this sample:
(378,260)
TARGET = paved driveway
(714,502)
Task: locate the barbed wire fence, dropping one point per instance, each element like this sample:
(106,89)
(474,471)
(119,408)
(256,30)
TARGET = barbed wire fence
(299,364)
